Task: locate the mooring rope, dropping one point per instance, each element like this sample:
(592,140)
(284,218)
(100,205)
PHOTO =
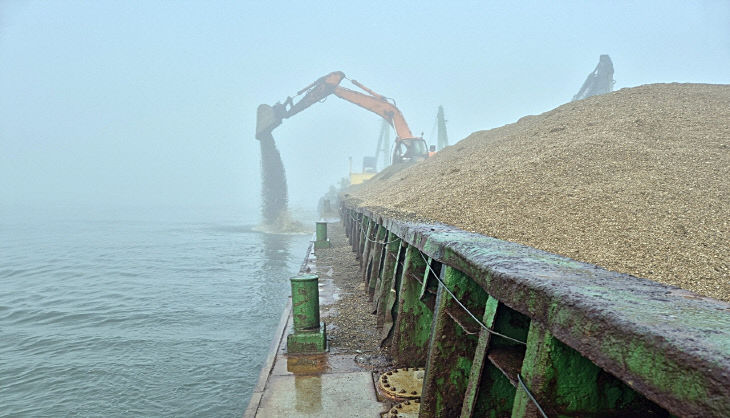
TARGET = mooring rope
(486,328)
(532,398)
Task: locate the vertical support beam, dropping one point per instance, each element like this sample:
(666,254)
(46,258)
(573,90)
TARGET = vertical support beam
(480,361)
(350,235)
(373,267)
(363,234)
(391,295)
(566,383)
(369,241)
(537,371)
(385,278)
(412,327)
(451,349)
(356,232)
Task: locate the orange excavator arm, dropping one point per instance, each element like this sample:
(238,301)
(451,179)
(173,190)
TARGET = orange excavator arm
(377,104)
(269,117)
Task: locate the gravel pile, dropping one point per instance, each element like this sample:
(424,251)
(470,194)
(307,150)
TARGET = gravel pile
(635,181)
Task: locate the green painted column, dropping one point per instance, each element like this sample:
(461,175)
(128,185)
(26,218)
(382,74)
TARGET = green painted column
(480,361)
(566,383)
(309,334)
(451,349)
(363,238)
(412,328)
(321,240)
(355,231)
(368,248)
(390,297)
(305,301)
(375,267)
(385,278)
(321,231)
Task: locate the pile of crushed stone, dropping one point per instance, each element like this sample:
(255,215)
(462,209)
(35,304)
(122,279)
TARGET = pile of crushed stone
(635,181)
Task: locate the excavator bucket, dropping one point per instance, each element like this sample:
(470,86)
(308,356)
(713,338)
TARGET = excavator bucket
(266,120)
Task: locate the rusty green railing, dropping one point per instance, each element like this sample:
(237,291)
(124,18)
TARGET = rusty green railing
(508,330)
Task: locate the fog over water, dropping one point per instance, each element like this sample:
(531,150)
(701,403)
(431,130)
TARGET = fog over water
(130,176)
(154,103)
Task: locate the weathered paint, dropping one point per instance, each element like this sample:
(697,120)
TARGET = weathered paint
(377,260)
(305,301)
(451,350)
(390,296)
(370,234)
(384,283)
(567,384)
(496,394)
(362,233)
(309,334)
(312,341)
(413,322)
(670,345)
(480,360)
(321,236)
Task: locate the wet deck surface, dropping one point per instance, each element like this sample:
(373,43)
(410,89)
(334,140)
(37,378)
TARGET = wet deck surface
(336,383)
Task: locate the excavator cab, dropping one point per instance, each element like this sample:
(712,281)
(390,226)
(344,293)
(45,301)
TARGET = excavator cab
(409,149)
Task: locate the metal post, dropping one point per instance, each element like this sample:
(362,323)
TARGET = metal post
(305,302)
(321,236)
(309,334)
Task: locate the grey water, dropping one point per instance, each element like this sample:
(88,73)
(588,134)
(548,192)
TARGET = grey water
(154,315)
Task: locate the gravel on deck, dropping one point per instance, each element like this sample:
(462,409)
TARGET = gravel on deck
(635,181)
(351,325)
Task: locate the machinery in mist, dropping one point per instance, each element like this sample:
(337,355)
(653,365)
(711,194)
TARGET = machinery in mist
(599,81)
(443,138)
(407,147)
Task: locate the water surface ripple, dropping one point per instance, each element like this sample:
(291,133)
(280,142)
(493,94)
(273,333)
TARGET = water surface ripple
(137,318)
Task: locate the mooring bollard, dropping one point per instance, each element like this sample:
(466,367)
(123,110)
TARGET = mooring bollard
(326,206)
(321,236)
(309,334)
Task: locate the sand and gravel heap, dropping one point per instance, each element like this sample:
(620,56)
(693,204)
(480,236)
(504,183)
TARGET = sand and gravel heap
(635,181)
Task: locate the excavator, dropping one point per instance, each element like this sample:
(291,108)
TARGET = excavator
(407,147)
(599,81)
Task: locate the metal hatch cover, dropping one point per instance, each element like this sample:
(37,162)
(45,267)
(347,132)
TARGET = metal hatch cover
(405,409)
(402,383)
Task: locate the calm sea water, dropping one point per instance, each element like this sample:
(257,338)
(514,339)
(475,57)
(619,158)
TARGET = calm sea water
(147,317)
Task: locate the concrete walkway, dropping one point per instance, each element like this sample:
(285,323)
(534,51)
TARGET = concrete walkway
(321,385)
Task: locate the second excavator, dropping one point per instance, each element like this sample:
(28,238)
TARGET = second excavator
(406,147)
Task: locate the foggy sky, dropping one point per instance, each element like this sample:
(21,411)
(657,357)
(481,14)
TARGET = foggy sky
(143,103)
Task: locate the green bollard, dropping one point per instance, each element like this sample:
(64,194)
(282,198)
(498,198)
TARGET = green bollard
(321,236)
(305,302)
(309,334)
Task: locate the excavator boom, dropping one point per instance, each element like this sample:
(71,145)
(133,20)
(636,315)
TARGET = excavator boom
(269,117)
(378,105)
(406,145)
